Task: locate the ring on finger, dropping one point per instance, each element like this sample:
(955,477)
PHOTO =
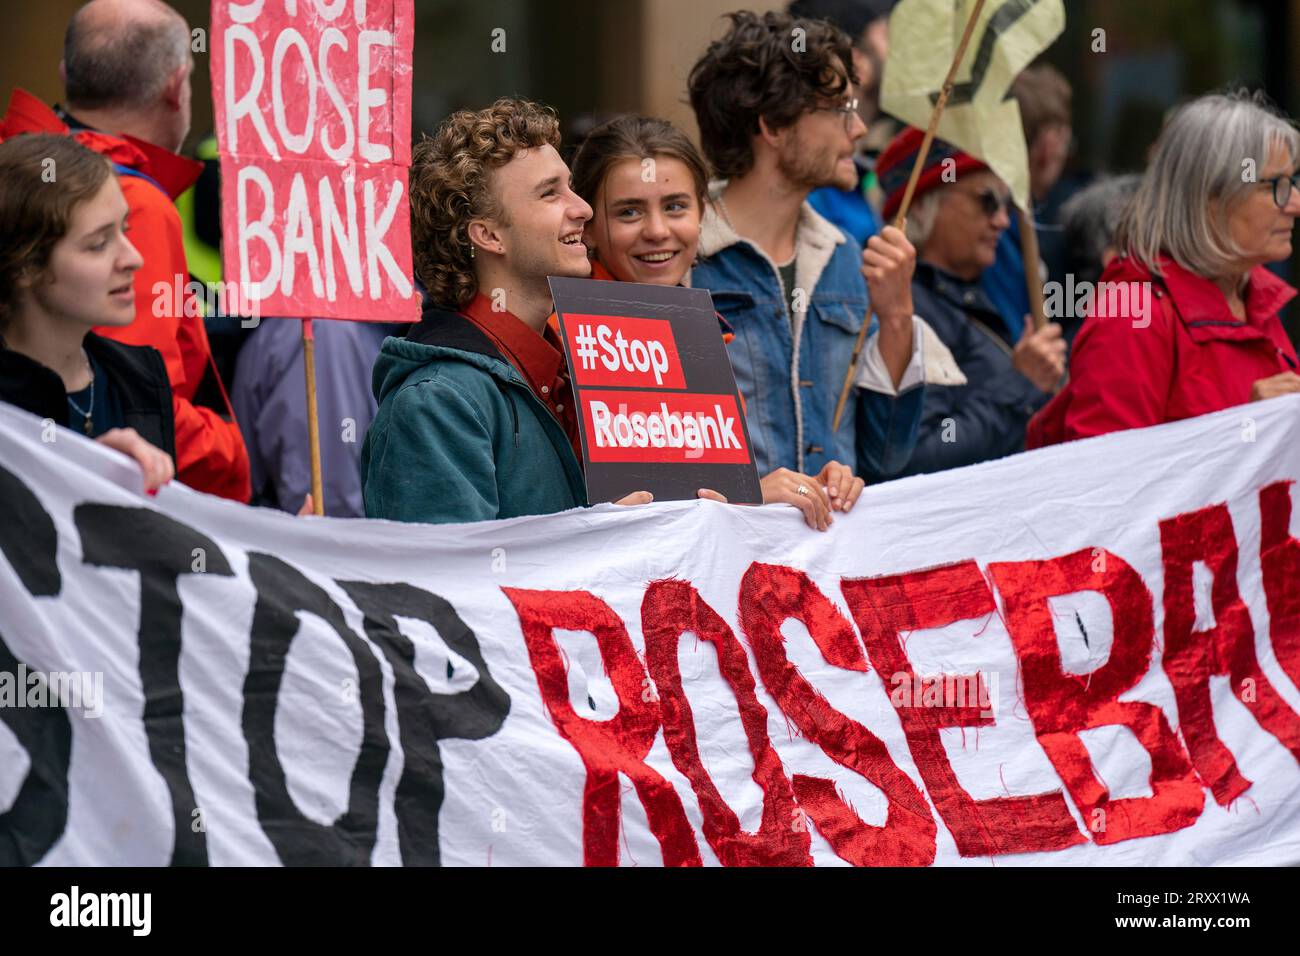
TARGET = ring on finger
(801,490)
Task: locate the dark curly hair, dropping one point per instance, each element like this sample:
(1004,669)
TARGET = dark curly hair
(764,67)
(451,176)
(43,178)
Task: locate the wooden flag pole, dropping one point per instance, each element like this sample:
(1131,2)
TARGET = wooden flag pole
(912,180)
(1033,277)
(313,424)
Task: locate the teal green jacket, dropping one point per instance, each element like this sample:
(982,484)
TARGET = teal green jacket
(459,435)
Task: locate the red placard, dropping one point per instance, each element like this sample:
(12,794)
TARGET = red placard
(664,427)
(623,352)
(658,407)
(313,113)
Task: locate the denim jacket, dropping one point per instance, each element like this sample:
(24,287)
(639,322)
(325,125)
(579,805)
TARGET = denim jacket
(790,407)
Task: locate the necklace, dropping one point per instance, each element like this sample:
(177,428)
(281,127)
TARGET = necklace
(85,413)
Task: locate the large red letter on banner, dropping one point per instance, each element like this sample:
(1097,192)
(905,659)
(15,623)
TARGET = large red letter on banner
(769,595)
(670,609)
(1062,705)
(607,747)
(1279,554)
(883,608)
(1192,657)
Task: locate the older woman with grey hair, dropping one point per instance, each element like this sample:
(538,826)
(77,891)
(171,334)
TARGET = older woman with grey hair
(1185,321)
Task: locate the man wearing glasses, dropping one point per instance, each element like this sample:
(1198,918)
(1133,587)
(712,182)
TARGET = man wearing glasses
(959,211)
(774,100)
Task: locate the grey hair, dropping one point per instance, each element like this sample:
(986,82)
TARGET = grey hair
(1198,176)
(921,217)
(1091,217)
(127,67)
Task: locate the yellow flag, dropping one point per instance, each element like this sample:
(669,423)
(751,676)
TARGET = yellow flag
(980,118)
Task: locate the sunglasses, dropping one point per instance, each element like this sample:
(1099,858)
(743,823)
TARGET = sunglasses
(991,201)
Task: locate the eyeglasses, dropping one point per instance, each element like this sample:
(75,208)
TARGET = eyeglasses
(847,110)
(1282,186)
(991,201)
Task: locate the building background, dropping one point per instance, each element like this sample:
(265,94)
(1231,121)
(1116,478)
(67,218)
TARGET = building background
(606,56)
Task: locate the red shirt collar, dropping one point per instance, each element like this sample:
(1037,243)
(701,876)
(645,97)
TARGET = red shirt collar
(538,357)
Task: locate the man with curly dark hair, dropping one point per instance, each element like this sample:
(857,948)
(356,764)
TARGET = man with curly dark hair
(475,418)
(775,101)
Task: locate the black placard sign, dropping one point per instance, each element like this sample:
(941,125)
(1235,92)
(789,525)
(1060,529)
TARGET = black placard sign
(658,406)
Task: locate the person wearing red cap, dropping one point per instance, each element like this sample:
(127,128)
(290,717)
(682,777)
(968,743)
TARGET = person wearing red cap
(958,212)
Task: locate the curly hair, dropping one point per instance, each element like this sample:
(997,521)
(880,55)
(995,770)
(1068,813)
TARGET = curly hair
(43,178)
(451,174)
(764,68)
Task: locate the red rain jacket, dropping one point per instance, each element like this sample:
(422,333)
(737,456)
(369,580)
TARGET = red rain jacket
(210,452)
(1192,359)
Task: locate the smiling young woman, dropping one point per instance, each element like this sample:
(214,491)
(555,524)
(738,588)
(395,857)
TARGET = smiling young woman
(647,186)
(66,266)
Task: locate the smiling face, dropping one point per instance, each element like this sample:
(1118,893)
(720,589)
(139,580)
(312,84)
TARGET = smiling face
(541,234)
(1259,228)
(964,240)
(646,228)
(88,280)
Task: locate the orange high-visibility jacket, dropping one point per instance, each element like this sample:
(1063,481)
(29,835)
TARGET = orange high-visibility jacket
(210,452)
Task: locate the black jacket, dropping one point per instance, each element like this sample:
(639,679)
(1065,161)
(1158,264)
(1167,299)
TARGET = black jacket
(985,418)
(138,375)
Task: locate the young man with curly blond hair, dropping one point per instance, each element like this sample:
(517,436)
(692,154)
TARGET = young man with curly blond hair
(476,419)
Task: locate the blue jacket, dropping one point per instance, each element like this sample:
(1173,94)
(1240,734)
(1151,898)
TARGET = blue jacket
(459,435)
(1004,281)
(986,417)
(270,405)
(848,209)
(789,408)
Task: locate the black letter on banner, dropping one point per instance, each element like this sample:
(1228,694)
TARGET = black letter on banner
(282,592)
(1003,20)
(424,718)
(161,549)
(40,811)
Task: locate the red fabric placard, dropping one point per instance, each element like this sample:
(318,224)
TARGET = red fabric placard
(1061,705)
(607,747)
(1191,657)
(669,609)
(1279,554)
(769,595)
(884,608)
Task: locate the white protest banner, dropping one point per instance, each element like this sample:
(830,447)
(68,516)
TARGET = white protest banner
(1084,655)
(313,116)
